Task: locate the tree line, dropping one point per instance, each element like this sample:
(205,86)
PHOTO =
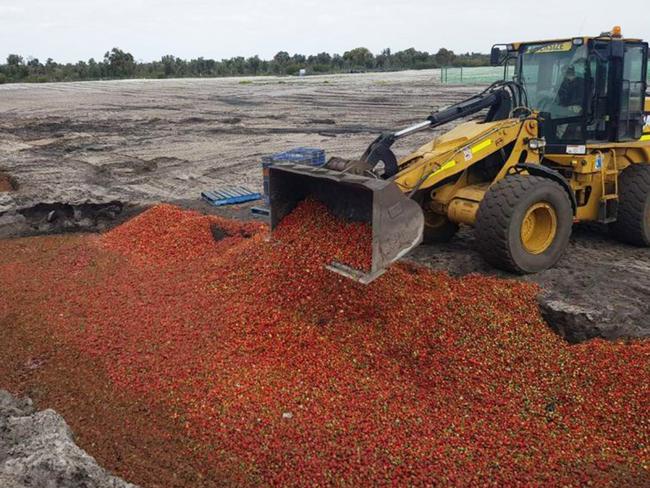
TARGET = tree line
(118,64)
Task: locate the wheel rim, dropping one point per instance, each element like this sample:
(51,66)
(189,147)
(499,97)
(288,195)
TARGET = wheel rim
(539,228)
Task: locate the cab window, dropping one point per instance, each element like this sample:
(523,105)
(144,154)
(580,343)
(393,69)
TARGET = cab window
(632,93)
(554,75)
(598,123)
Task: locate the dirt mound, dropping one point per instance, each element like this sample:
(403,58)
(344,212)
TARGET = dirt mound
(37,450)
(282,371)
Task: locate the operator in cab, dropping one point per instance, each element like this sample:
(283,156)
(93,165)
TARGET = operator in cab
(571,92)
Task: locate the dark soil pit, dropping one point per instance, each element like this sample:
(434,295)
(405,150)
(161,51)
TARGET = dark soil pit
(62,218)
(218,233)
(8,183)
(54,218)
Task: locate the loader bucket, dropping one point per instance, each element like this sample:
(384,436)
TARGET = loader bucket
(397,221)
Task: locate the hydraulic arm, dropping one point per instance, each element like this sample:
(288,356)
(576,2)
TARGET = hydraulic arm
(501,98)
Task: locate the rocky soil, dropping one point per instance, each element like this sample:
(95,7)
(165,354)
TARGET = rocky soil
(37,450)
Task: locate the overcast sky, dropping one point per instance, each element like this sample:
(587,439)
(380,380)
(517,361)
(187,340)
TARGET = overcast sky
(70,30)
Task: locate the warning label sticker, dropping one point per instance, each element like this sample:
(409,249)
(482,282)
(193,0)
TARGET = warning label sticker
(576,149)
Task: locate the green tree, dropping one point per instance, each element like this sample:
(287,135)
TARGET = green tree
(282,57)
(280,62)
(254,65)
(383,60)
(120,64)
(359,57)
(94,70)
(16,69)
(14,60)
(444,57)
(169,64)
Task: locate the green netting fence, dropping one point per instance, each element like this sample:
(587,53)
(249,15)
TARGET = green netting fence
(483,75)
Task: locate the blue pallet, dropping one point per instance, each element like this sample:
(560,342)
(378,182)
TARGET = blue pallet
(230,195)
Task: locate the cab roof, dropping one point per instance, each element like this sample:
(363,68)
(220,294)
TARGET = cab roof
(585,39)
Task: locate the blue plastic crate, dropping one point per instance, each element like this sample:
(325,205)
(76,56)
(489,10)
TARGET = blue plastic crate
(230,195)
(310,156)
(301,155)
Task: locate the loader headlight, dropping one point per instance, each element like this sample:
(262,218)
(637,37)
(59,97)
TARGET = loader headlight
(537,144)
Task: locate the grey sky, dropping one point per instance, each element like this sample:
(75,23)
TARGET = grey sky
(70,30)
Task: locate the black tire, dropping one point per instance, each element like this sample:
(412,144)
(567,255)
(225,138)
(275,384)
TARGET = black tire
(500,217)
(633,221)
(438,228)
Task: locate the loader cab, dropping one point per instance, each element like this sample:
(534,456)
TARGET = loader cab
(587,90)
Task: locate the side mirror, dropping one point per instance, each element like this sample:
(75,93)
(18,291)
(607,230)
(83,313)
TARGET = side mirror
(495,56)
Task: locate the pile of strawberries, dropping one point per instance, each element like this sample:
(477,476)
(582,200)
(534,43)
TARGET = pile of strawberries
(287,373)
(330,239)
(168,234)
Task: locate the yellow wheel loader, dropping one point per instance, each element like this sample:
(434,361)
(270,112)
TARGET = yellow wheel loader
(565,140)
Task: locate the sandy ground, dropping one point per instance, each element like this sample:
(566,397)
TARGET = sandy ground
(146,141)
(91,150)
